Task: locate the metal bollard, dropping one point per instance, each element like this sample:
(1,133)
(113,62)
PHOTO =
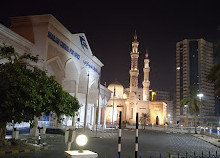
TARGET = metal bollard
(39,137)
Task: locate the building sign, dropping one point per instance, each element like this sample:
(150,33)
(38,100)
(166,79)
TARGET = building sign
(71,51)
(63,45)
(86,63)
(83,42)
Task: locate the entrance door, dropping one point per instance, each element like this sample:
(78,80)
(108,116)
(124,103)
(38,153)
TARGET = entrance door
(157,120)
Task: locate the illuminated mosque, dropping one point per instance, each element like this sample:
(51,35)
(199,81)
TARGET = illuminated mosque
(134,100)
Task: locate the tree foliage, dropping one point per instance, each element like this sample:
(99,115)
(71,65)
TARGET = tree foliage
(144,119)
(214,75)
(26,91)
(193,103)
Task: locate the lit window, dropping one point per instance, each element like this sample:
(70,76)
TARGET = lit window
(124,96)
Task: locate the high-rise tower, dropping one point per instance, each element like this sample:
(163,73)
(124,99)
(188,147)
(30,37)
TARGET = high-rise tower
(146,82)
(134,72)
(193,63)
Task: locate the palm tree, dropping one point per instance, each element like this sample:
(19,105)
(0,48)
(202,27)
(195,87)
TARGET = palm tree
(193,103)
(145,118)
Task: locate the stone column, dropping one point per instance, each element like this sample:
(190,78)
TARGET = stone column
(104,117)
(99,115)
(75,95)
(94,117)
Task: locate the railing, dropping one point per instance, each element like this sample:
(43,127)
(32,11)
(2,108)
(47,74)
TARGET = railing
(175,155)
(179,129)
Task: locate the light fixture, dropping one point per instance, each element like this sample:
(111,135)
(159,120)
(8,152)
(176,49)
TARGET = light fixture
(200,95)
(81,140)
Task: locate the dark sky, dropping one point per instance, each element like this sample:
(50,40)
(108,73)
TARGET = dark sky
(109,28)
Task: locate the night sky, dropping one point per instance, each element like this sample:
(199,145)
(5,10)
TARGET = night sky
(109,28)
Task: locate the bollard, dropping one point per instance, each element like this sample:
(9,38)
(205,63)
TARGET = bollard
(136,137)
(119,136)
(210,131)
(38,140)
(39,136)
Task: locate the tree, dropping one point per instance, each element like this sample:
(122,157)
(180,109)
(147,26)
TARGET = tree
(145,118)
(214,75)
(26,91)
(193,103)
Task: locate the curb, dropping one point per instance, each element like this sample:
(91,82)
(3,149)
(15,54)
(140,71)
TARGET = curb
(208,141)
(22,151)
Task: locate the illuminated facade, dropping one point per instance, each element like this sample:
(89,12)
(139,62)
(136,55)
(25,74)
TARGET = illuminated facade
(66,56)
(134,100)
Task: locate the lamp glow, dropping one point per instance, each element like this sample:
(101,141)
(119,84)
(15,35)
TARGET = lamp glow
(200,95)
(81,140)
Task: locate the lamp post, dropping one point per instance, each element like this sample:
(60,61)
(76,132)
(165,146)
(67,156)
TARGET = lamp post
(186,109)
(200,95)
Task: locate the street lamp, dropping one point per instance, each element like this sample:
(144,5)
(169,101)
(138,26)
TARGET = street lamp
(200,95)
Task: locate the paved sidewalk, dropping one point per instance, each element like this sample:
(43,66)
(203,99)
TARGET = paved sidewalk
(214,141)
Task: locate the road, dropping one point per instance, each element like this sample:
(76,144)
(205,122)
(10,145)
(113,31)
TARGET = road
(150,143)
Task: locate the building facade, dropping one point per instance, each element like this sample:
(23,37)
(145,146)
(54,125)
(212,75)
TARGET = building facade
(193,63)
(134,99)
(168,98)
(66,56)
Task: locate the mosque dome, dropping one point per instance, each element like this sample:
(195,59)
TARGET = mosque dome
(119,89)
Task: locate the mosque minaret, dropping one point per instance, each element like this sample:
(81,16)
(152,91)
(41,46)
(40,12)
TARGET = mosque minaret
(134,72)
(146,82)
(134,99)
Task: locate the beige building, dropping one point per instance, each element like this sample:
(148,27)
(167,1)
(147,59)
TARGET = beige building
(134,100)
